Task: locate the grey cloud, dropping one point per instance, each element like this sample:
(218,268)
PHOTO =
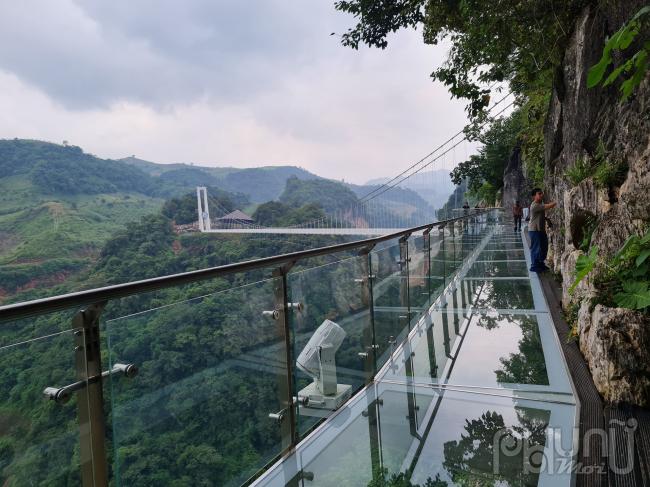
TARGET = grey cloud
(238,82)
(93,53)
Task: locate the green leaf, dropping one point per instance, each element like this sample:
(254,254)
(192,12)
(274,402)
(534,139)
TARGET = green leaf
(642,257)
(644,11)
(597,71)
(632,240)
(635,295)
(640,61)
(584,265)
(626,35)
(645,239)
(614,74)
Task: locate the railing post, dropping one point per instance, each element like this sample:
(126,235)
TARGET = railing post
(405,300)
(445,329)
(464,301)
(433,365)
(369,337)
(411,403)
(452,234)
(90,401)
(454,299)
(288,426)
(443,247)
(373,435)
(408,354)
(426,240)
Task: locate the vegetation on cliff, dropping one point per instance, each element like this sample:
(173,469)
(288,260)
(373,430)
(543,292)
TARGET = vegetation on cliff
(621,280)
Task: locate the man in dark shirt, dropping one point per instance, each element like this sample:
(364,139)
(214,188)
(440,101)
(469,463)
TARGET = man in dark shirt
(517,213)
(537,231)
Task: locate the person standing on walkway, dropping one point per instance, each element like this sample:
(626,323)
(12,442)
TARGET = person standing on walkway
(517,213)
(537,230)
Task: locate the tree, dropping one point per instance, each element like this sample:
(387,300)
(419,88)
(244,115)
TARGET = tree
(484,171)
(491,42)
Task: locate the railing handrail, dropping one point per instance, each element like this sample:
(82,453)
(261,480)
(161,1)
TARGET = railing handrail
(64,301)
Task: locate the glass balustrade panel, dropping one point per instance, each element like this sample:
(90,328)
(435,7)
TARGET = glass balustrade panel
(390,311)
(39,422)
(332,335)
(209,404)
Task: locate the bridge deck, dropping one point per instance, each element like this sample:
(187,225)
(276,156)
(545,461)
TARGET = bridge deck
(309,231)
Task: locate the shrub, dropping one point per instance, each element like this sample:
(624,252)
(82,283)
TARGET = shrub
(625,280)
(580,171)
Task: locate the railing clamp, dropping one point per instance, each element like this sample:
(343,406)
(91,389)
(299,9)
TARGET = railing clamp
(367,249)
(279,416)
(62,395)
(275,313)
(405,237)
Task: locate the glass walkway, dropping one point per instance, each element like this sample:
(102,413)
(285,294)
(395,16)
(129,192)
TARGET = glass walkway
(425,357)
(478,394)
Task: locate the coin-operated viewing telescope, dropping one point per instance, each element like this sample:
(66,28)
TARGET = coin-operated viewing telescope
(317,360)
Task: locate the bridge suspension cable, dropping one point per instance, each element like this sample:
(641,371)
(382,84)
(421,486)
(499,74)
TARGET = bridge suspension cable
(371,213)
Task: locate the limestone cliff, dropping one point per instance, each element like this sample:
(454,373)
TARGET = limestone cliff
(615,342)
(515,186)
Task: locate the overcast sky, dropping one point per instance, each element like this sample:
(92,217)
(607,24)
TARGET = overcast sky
(222,83)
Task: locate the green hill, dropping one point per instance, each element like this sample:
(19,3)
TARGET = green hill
(260,184)
(330,195)
(60,205)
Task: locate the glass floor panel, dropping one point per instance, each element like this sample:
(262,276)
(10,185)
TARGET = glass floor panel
(505,294)
(501,255)
(514,352)
(443,438)
(484,441)
(503,246)
(498,269)
(501,350)
(332,469)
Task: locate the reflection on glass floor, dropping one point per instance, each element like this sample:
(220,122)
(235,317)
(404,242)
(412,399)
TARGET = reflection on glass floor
(477,395)
(498,268)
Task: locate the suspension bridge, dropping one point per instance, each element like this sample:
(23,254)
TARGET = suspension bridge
(388,208)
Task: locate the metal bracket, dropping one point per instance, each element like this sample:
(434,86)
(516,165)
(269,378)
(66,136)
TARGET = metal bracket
(367,249)
(279,416)
(61,395)
(275,313)
(284,269)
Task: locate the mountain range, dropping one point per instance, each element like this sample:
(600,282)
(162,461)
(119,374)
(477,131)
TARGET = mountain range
(59,205)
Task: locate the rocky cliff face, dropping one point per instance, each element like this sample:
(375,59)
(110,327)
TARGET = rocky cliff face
(615,342)
(515,185)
